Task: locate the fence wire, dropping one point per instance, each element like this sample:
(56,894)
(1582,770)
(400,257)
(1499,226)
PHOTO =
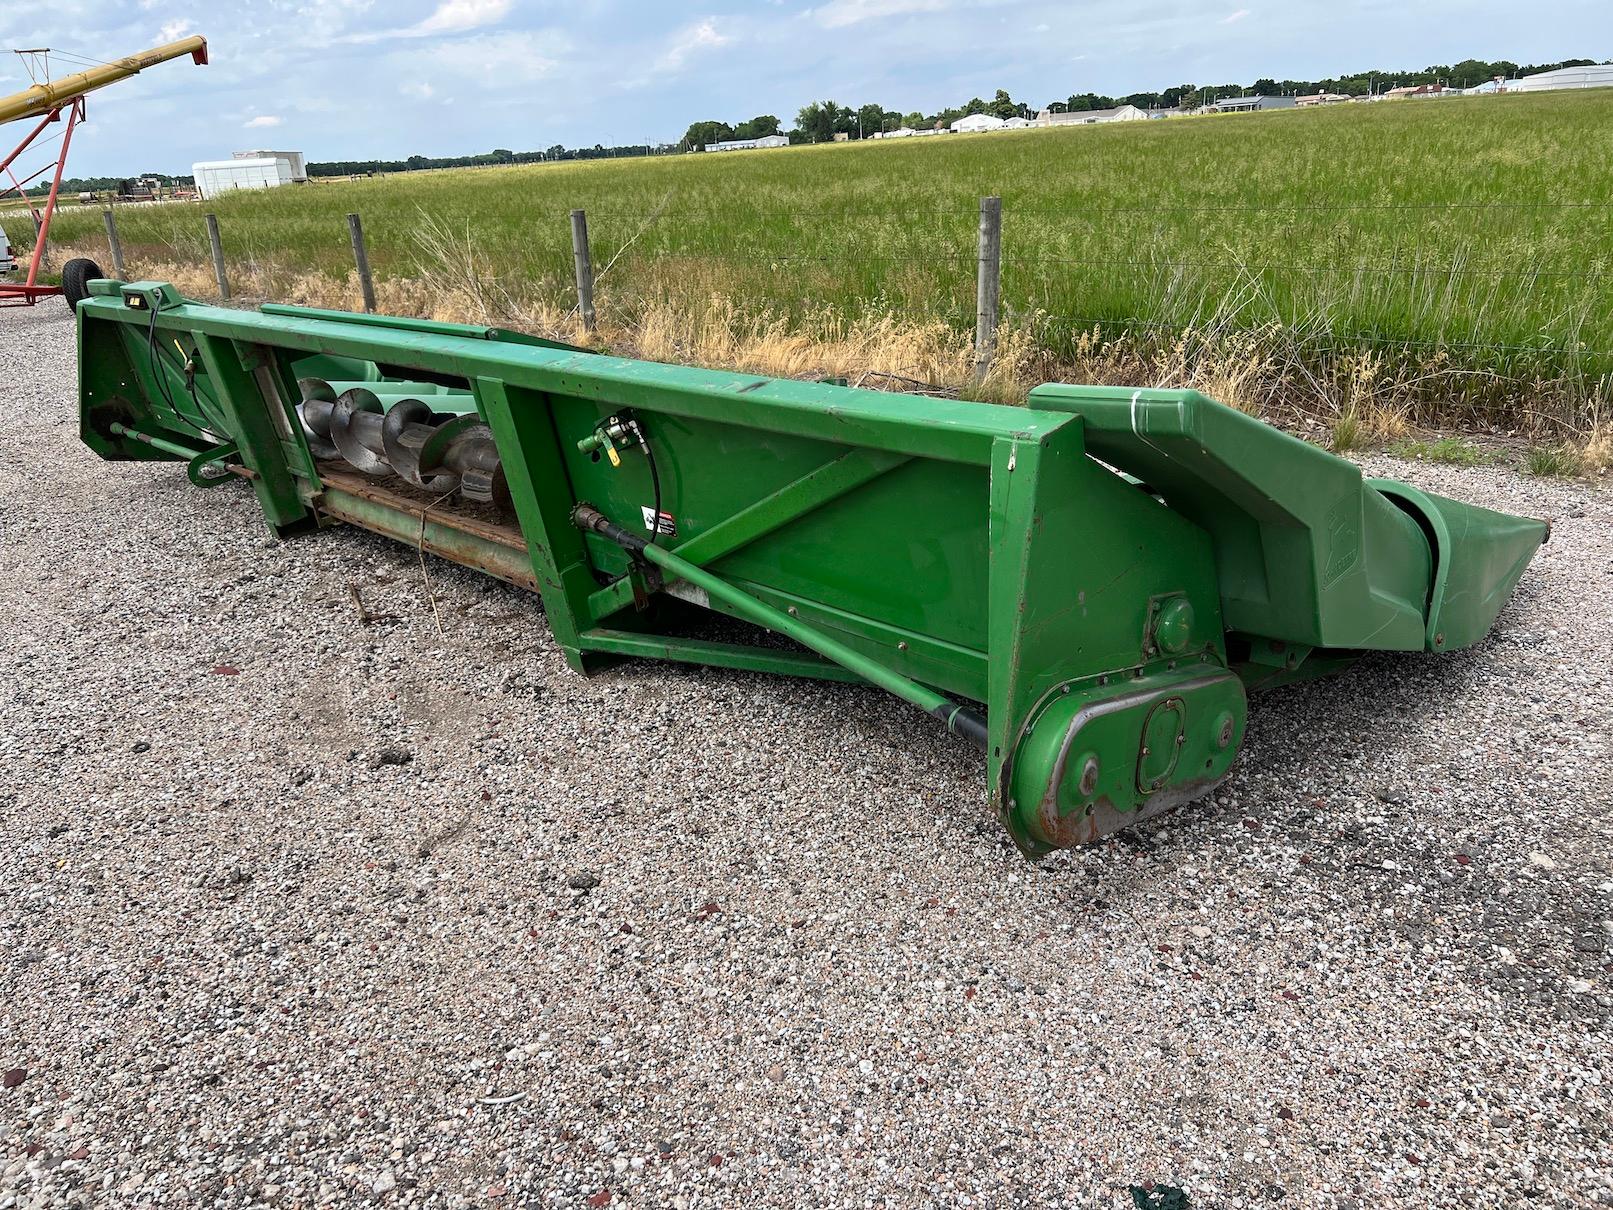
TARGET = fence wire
(661,234)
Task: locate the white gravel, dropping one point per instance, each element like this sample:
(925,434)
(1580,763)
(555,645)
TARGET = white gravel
(684,937)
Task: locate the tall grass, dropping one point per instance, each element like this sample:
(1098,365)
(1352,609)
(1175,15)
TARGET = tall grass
(1442,261)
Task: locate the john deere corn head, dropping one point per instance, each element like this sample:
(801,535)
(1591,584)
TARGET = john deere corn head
(1085,587)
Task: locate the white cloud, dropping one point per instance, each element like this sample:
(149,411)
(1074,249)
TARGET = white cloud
(702,35)
(323,20)
(489,61)
(418,88)
(838,13)
(175,30)
(263,120)
(457,16)
(1230,18)
(449,17)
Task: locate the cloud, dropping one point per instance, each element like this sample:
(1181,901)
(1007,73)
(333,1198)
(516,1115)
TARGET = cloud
(1230,18)
(702,35)
(457,16)
(449,17)
(418,88)
(175,30)
(263,120)
(501,62)
(839,13)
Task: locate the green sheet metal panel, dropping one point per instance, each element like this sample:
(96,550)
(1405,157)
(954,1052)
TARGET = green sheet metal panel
(931,546)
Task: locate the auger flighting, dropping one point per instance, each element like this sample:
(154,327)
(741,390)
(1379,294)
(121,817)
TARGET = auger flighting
(436,452)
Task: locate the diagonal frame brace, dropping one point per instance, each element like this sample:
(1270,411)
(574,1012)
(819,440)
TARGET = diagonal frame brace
(789,503)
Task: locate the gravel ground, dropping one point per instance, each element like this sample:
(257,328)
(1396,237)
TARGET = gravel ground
(299,911)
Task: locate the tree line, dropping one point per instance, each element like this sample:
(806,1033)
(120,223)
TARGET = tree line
(823,121)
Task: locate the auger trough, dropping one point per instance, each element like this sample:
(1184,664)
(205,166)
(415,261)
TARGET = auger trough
(1086,586)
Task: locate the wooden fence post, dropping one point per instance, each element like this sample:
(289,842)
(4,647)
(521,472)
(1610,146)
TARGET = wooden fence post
(218,258)
(585,268)
(988,283)
(115,244)
(361,258)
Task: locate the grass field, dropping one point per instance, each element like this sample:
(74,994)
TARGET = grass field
(1425,261)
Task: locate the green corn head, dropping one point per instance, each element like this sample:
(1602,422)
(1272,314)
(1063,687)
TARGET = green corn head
(1085,586)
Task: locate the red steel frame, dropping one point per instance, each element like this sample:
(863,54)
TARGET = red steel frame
(26,293)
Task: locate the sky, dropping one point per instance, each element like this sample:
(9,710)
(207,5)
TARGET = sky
(385,79)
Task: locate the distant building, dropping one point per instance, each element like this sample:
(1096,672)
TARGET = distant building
(1016,124)
(1088,117)
(1323,98)
(1417,91)
(1594,76)
(767,140)
(976,122)
(295,159)
(1249,104)
(248,170)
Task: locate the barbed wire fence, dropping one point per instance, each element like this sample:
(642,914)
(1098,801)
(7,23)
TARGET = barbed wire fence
(689,236)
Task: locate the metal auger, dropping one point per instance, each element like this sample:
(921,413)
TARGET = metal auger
(438,453)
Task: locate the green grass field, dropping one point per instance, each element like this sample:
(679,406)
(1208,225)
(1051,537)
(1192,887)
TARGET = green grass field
(1466,246)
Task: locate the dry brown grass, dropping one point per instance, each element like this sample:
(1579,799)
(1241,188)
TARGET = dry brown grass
(1354,398)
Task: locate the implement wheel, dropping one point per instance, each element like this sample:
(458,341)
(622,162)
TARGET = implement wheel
(76,276)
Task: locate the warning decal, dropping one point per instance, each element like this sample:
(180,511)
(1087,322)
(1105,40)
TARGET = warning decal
(668,524)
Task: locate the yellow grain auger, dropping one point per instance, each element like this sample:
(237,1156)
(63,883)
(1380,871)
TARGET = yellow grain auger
(50,101)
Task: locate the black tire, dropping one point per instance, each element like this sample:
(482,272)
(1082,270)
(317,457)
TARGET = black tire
(76,278)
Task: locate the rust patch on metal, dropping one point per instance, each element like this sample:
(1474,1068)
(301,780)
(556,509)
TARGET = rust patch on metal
(414,519)
(1100,818)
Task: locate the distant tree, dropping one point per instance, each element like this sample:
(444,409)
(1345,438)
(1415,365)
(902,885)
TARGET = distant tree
(1002,106)
(757,128)
(1083,101)
(913,120)
(1266,88)
(975,105)
(818,121)
(702,134)
(870,119)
